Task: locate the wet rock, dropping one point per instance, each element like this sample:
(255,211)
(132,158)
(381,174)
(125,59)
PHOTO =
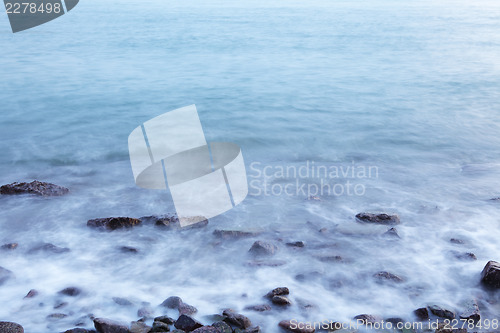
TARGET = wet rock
(109,326)
(296,327)
(471,311)
(422,314)
(366,319)
(187,323)
(465,256)
(172,302)
(331,258)
(187,309)
(113,223)
(255,329)
(9,246)
(281,300)
(395,321)
(222,327)
(168,221)
(60,305)
(280,291)
(457,241)
(236,319)
(159,326)
(32,293)
(392,232)
(35,187)
(139,327)
(71,291)
(441,312)
(48,248)
(8,327)
(206,329)
(258,308)
(490,276)
(234,234)
(122,301)
(56,316)
(261,248)
(178,331)
(296,244)
(266,263)
(145,312)
(82,330)
(128,249)
(387,276)
(378,218)
(5,275)
(165,319)
(448,328)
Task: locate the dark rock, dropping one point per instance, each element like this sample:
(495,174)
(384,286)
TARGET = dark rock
(280,291)
(206,329)
(236,319)
(48,248)
(56,316)
(187,323)
(70,291)
(139,327)
(9,246)
(7,327)
(234,234)
(122,301)
(187,309)
(395,321)
(422,314)
(387,276)
(331,258)
(445,327)
(178,331)
(145,312)
(35,187)
(60,305)
(457,241)
(109,326)
(222,327)
(81,330)
(490,275)
(165,319)
(161,221)
(263,248)
(159,326)
(113,223)
(296,244)
(366,319)
(258,308)
(471,311)
(128,249)
(465,256)
(172,302)
(441,312)
(32,293)
(378,218)
(296,327)
(5,275)
(392,232)
(255,329)
(266,263)
(281,300)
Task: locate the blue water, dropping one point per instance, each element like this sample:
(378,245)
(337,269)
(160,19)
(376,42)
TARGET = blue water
(411,88)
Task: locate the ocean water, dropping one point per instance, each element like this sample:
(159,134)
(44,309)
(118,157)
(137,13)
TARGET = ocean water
(407,89)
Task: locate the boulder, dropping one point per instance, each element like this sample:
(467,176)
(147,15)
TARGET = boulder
(490,275)
(70,291)
(8,327)
(384,276)
(35,187)
(187,309)
(172,302)
(48,248)
(422,314)
(165,319)
(5,275)
(260,248)
(109,326)
(441,312)
(280,291)
(139,327)
(281,300)
(113,223)
(187,323)
(236,319)
(159,326)
(206,329)
(384,219)
(9,246)
(296,327)
(471,311)
(258,308)
(222,327)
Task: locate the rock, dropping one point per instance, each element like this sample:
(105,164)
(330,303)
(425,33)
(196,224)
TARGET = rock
(7,327)
(168,221)
(82,330)
(145,312)
(378,218)
(35,187)
(234,234)
(128,249)
(187,309)
(296,327)
(139,327)
(280,291)
(56,316)
(236,319)
(490,275)
(60,305)
(457,241)
(260,248)
(159,326)
(258,308)
(193,222)
(222,327)
(441,312)
(266,263)
(206,329)
(48,248)
(392,232)
(281,300)
(331,258)
(109,326)
(177,331)
(5,275)
(32,293)
(255,329)
(172,302)
(449,328)
(9,246)
(465,256)
(471,311)
(165,319)
(296,244)
(122,301)
(387,276)
(395,321)
(187,323)
(366,319)
(113,223)
(422,314)
(70,291)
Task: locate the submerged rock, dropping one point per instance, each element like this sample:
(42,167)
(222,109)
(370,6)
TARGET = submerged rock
(168,221)
(56,316)
(378,218)
(32,293)
(146,311)
(113,223)
(280,291)
(109,326)
(266,263)
(471,311)
(234,234)
(48,248)
(8,327)
(187,323)
(9,246)
(236,319)
(442,312)
(296,327)
(465,256)
(261,248)
(128,249)
(490,276)
(5,275)
(296,244)
(457,241)
(258,308)
(122,301)
(281,300)
(387,276)
(71,291)
(366,319)
(35,187)
(392,232)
